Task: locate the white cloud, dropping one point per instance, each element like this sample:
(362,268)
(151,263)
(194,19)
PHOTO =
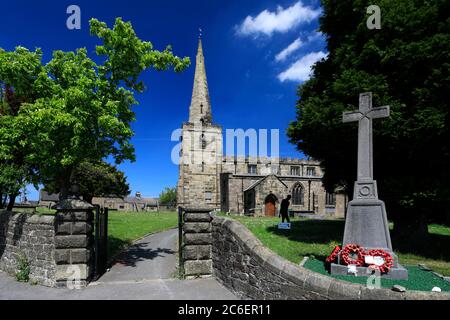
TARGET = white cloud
(289,50)
(301,69)
(281,20)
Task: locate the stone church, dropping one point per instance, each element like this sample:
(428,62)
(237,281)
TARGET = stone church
(243,185)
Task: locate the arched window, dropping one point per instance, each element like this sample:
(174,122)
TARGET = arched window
(297,194)
(203,141)
(201,108)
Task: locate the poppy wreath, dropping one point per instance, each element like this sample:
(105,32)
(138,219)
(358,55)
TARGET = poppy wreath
(333,256)
(353,250)
(388,261)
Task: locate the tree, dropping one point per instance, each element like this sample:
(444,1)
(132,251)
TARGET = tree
(20,72)
(74,110)
(98,179)
(405,64)
(168,197)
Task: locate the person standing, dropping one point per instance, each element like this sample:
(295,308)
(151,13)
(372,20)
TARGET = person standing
(284,209)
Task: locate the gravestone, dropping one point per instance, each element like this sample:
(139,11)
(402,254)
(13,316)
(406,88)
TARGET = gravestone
(366,222)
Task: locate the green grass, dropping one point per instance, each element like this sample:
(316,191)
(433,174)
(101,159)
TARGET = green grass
(45,211)
(317,238)
(126,227)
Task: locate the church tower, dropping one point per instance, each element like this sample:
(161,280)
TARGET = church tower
(201,147)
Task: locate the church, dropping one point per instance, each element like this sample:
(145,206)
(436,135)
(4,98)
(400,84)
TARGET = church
(243,185)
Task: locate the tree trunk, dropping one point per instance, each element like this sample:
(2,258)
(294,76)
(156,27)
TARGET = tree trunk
(12,201)
(65,182)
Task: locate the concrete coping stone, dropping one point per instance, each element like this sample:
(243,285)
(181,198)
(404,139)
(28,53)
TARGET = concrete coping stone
(30,218)
(315,282)
(197,210)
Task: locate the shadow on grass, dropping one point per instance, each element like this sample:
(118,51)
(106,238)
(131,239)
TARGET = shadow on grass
(435,246)
(136,253)
(325,231)
(312,231)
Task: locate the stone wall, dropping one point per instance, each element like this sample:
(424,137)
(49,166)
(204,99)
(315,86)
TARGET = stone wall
(250,270)
(30,237)
(197,240)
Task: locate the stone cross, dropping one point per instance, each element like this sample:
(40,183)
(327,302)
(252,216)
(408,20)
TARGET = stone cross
(364,116)
(366,222)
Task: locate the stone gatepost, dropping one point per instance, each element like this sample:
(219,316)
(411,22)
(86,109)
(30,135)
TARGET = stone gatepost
(74,242)
(197,243)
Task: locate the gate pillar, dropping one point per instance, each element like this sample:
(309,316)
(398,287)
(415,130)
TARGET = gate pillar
(197,240)
(74,243)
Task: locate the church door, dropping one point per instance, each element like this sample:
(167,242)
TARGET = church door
(270,205)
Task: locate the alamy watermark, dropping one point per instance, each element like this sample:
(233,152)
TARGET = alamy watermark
(73,22)
(74,278)
(203,145)
(374,20)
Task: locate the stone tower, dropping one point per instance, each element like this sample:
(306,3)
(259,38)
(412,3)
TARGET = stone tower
(201,148)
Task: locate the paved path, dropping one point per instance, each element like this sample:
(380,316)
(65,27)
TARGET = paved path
(144,272)
(154,257)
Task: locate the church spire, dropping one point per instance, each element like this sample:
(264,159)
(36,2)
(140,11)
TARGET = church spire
(200,109)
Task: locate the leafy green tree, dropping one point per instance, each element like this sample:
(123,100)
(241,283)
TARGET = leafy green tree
(20,73)
(74,110)
(168,197)
(97,179)
(406,65)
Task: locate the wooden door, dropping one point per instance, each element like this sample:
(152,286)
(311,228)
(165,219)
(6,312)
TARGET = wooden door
(270,209)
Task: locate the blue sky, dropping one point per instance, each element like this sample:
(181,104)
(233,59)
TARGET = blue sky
(257,53)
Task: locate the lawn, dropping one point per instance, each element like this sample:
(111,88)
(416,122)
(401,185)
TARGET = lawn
(317,238)
(126,227)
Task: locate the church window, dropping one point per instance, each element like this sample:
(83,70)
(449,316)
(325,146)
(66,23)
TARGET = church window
(252,169)
(208,195)
(201,108)
(295,171)
(330,199)
(203,141)
(311,171)
(203,166)
(297,195)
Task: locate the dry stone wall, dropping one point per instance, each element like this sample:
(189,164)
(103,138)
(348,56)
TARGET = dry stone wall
(30,238)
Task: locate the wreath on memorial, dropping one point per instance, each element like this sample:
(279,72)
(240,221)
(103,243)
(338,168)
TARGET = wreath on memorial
(353,254)
(387,264)
(333,256)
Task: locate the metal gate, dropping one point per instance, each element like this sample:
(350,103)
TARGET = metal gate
(180,242)
(101,241)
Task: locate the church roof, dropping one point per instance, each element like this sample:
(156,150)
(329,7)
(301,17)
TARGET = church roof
(253,185)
